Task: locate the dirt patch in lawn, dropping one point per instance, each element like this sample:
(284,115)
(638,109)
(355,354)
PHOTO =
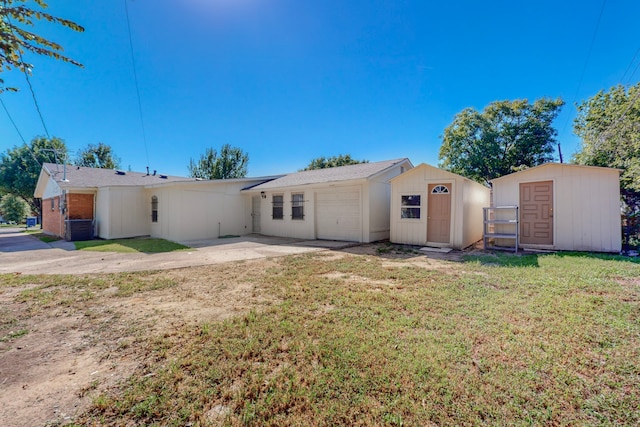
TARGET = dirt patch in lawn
(53,363)
(56,357)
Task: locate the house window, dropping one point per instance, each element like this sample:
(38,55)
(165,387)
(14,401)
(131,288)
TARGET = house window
(297,206)
(440,189)
(410,206)
(154,209)
(277,209)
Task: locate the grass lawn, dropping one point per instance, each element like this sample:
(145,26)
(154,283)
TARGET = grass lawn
(364,340)
(143,244)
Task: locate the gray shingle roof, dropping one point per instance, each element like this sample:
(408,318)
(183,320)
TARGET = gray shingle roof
(83,177)
(341,173)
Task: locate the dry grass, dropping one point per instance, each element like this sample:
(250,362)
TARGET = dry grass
(366,340)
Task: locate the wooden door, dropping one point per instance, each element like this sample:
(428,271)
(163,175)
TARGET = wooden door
(536,213)
(439,213)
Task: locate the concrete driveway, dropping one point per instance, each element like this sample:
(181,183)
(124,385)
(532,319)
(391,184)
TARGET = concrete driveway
(21,253)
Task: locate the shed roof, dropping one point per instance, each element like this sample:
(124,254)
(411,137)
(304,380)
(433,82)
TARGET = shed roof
(555,165)
(85,177)
(337,174)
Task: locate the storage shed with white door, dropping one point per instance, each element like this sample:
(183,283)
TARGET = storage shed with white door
(349,203)
(433,207)
(564,207)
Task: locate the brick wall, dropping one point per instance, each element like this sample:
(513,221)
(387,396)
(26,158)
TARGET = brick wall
(52,219)
(79,206)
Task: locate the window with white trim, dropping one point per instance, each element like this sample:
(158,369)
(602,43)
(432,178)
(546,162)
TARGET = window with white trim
(277,208)
(297,206)
(410,206)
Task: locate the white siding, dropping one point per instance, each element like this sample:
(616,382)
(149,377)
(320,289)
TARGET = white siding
(122,212)
(287,226)
(201,210)
(586,204)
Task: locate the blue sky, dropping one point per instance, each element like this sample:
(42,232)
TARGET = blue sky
(291,80)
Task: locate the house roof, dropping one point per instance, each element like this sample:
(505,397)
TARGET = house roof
(555,165)
(84,177)
(337,174)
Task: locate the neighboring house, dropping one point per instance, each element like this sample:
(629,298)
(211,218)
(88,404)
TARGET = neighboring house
(79,203)
(349,203)
(564,207)
(433,207)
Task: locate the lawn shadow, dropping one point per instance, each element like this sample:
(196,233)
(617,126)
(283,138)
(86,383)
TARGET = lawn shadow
(147,245)
(532,259)
(503,259)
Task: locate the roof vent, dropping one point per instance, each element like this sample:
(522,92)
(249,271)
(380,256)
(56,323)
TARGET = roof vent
(163,176)
(120,172)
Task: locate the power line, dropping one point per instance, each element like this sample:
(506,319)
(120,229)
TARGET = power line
(12,121)
(135,77)
(586,62)
(629,67)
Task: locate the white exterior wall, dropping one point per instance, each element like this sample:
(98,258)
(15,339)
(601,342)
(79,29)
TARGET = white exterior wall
(467,200)
(52,189)
(586,203)
(288,227)
(200,210)
(379,203)
(122,212)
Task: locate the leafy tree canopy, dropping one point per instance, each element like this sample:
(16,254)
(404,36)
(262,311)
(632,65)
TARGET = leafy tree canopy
(14,208)
(609,125)
(97,156)
(231,162)
(332,162)
(505,137)
(20,166)
(16,36)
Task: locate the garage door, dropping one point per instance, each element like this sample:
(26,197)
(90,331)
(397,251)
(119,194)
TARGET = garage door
(339,215)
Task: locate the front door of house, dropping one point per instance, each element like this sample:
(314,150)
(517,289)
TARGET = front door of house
(255,214)
(439,213)
(536,213)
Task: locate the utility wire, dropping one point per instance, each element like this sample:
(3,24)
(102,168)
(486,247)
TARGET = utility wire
(135,77)
(586,62)
(12,121)
(629,67)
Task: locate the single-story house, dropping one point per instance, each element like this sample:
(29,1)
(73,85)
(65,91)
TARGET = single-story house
(349,203)
(564,207)
(434,207)
(79,203)
(344,203)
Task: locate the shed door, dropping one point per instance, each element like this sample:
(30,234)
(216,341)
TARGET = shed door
(338,214)
(255,214)
(439,213)
(536,213)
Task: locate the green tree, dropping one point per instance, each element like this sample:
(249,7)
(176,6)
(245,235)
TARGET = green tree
(20,167)
(332,162)
(14,208)
(16,36)
(609,125)
(506,136)
(97,156)
(231,162)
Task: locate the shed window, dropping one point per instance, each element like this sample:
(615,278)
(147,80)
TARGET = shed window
(154,209)
(277,209)
(410,206)
(440,189)
(297,206)
(53,203)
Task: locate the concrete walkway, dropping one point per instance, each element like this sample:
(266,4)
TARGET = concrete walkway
(21,253)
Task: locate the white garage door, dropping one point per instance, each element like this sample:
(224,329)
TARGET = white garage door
(339,214)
